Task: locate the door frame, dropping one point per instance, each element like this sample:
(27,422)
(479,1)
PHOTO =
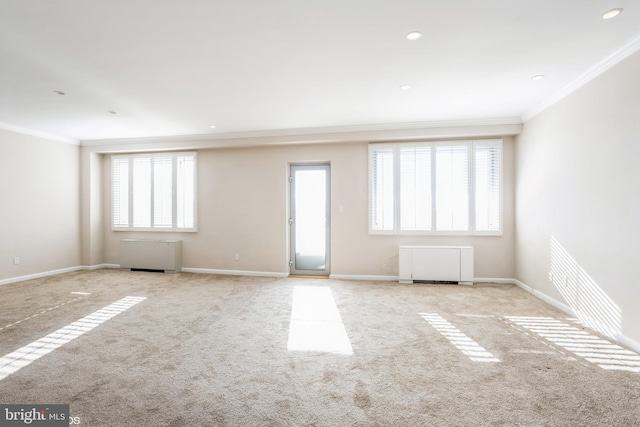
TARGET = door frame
(292,233)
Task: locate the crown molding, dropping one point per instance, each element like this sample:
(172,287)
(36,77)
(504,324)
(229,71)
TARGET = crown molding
(329,134)
(452,128)
(31,132)
(613,59)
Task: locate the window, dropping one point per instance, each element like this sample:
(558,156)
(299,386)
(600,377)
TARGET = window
(154,191)
(452,187)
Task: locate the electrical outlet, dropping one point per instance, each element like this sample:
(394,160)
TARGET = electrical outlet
(16,260)
(237,257)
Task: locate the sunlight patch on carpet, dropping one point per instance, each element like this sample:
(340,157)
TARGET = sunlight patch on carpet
(13,362)
(581,343)
(315,323)
(462,342)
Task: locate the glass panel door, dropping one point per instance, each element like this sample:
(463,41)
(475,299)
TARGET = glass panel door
(310,219)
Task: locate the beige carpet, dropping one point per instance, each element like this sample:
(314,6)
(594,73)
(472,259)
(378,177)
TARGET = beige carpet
(205,350)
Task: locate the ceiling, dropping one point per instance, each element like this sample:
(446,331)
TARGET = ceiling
(169,68)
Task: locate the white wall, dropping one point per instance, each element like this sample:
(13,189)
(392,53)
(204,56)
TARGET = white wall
(578,201)
(242,208)
(92,211)
(39,214)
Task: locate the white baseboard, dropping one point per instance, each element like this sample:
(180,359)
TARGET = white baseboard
(99,266)
(397,278)
(628,342)
(235,272)
(363,277)
(39,275)
(501,280)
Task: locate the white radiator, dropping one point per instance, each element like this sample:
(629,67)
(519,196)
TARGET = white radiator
(160,255)
(436,263)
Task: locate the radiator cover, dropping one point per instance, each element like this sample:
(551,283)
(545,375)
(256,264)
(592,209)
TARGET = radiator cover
(147,254)
(436,263)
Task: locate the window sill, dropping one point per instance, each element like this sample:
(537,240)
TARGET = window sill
(157,230)
(437,233)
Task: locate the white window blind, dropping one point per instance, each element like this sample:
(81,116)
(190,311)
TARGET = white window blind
(154,191)
(488,161)
(141,197)
(416,187)
(163,190)
(382,191)
(185,191)
(452,187)
(448,187)
(120,183)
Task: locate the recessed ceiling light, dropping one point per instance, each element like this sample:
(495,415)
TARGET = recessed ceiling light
(59,92)
(405,87)
(538,77)
(212,126)
(612,13)
(414,35)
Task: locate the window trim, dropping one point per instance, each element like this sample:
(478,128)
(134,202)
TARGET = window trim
(174,229)
(471,185)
